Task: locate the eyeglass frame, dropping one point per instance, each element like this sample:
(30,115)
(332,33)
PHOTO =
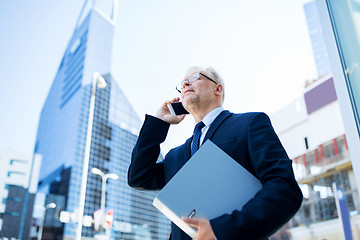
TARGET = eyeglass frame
(187,80)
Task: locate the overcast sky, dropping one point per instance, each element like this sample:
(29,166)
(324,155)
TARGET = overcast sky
(261,49)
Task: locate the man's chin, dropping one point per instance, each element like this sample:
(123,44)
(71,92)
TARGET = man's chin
(189,102)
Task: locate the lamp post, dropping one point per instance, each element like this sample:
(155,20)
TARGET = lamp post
(99,82)
(50,205)
(104,178)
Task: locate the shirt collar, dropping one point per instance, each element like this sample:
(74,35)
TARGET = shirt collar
(210,117)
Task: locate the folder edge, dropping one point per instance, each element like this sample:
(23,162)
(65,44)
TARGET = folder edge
(192,232)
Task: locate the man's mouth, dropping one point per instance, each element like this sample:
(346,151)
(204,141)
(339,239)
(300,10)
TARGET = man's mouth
(189,90)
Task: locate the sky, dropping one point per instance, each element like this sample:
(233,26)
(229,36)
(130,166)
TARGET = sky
(261,49)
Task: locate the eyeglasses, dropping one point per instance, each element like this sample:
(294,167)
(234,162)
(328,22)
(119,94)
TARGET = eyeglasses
(191,79)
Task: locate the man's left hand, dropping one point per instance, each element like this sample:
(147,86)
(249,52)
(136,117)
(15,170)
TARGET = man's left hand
(203,226)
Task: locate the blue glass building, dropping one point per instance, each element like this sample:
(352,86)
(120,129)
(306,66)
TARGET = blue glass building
(317,39)
(61,141)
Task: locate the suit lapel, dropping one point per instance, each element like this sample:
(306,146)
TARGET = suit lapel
(216,124)
(187,153)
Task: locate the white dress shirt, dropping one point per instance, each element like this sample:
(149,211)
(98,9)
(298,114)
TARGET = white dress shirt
(207,120)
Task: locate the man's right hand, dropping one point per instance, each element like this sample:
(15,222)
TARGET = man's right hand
(164,113)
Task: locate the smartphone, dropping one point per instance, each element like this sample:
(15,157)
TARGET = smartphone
(177,108)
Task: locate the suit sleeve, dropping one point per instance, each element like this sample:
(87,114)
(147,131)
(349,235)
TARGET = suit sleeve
(277,201)
(144,172)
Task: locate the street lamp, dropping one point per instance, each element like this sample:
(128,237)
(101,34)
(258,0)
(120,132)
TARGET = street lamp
(99,82)
(104,178)
(50,205)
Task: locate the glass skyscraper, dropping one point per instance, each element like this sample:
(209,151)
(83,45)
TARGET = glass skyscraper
(317,39)
(61,141)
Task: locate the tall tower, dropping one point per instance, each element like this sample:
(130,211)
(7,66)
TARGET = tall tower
(61,141)
(317,39)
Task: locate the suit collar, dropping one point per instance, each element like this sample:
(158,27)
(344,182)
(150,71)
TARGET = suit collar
(216,123)
(213,127)
(211,116)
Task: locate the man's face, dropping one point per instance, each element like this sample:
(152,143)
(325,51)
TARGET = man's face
(198,92)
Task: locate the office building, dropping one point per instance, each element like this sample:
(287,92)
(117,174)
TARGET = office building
(18,183)
(312,131)
(331,152)
(339,23)
(317,39)
(62,135)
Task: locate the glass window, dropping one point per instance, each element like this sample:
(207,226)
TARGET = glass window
(345,17)
(13,161)
(15,172)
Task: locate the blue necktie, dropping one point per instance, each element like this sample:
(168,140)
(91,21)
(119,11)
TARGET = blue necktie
(196,137)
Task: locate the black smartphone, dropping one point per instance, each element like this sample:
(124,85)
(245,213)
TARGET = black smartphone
(177,108)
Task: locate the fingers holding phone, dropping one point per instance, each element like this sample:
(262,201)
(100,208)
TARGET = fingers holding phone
(176,109)
(164,112)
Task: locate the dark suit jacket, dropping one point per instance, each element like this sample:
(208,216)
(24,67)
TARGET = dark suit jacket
(249,138)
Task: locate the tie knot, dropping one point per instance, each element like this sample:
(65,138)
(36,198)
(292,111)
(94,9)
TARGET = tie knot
(199,126)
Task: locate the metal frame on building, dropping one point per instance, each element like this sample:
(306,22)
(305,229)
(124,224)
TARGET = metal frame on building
(341,87)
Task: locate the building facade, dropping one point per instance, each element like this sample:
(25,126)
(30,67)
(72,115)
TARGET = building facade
(340,24)
(61,141)
(324,142)
(317,39)
(312,131)
(18,184)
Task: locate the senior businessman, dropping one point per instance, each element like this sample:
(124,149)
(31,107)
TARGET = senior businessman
(248,138)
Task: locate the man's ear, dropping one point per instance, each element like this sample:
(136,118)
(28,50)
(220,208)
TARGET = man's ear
(219,89)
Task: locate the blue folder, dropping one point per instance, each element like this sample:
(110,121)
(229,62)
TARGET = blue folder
(210,184)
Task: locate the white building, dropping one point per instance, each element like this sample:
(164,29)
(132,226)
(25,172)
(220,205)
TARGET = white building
(311,120)
(312,132)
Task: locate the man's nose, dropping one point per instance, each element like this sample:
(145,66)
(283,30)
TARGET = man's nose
(185,84)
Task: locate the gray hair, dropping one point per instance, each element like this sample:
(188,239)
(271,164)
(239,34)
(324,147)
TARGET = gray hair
(211,73)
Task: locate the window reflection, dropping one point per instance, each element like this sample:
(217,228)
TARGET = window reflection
(345,17)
